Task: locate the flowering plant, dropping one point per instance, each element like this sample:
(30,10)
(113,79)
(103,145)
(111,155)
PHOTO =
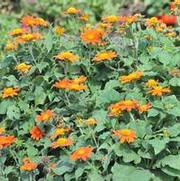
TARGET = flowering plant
(101,104)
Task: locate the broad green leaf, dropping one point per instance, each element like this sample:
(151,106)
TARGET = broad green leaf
(13,112)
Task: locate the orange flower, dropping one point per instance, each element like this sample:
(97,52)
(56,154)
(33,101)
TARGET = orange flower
(22,67)
(45,115)
(59,30)
(17,32)
(159,91)
(152,22)
(125,135)
(6,141)
(62,142)
(131,77)
(36,133)
(10,92)
(110,19)
(151,83)
(74,84)
(144,108)
(67,56)
(90,122)
(106,55)
(72,10)
(28,165)
(93,36)
(84,17)
(60,132)
(28,37)
(119,107)
(82,153)
(33,21)
(10,46)
(2,130)
(177,2)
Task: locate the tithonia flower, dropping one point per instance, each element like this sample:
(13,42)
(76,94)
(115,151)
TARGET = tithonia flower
(110,19)
(93,36)
(83,153)
(60,132)
(84,17)
(119,107)
(168,19)
(144,108)
(67,56)
(6,141)
(159,91)
(131,77)
(36,133)
(33,21)
(152,21)
(59,30)
(71,84)
(10,46)
(151,83)
(23,67)
(106,55)
(72,10)
(28,37)
(45,116)
(90,121)
(62,142)
(125,135)
(10,92)
(2,130)
(17,32)
(28,165)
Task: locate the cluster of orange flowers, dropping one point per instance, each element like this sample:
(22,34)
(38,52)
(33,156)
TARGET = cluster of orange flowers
(127,105)
(76,84)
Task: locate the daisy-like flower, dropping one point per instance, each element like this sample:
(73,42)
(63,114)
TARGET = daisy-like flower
(36,133)
(17,32)
(151,83)
(59,30)
(6,141)
(60,132)
(2,130)
(28,165)
(67,56)
(90,122)
(23,67)
(110,19)
(131,77)
(83,153)
(10,92)
(144,108)
(72,10)
(159,91)
(125,105)
(45,116)
(33,21)
(106,55)
(84,17)
(76,84)
(125,135)
(168,19)
(93,36)
(10,46)
(28,37)
(62,142)
(151,22)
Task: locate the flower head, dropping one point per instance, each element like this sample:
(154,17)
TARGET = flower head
(83,153)
(67,56)
(36,133)
(72,10)
(90,122)
(84,17)
(28,165)
(125,135)
(33,21)
(59,30)
(62,142)
(17,32)
(60,132)
(10,46)
(6,141)
(23,67)
(10,92)
(159,91)
(144,108)
(45,116)
(151,83)
(131,77)
(71,84)
(28,37)
(2,130)
(93,36)
(110,19)
(106,55)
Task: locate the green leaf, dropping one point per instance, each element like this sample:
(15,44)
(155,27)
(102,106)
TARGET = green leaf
(94,175)
(4,105)
(153,112)
(13,112)
(130,173)
(79,171)
(49,41)
(40,96)
(62,170)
